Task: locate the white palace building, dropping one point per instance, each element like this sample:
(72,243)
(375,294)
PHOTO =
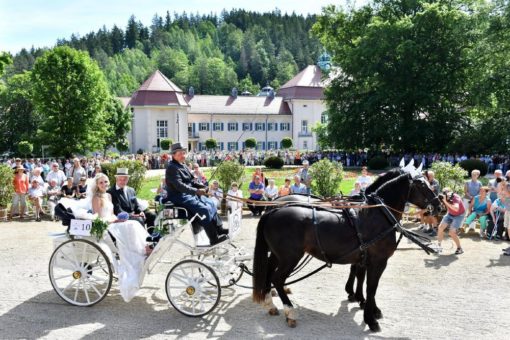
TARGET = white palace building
(161,110)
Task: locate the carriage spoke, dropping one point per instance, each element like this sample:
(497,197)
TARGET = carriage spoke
(64,255)
(176,287)
(84,252)
(68,286)
(97,279)
(93,287)
(76,291)
(180,278)
(86,292)
(61,277)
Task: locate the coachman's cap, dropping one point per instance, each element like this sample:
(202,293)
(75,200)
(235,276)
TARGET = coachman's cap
(177,147)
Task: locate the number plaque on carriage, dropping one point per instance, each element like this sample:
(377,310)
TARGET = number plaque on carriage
(80,227)
(234,222)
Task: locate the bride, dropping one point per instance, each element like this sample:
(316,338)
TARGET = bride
(129,236)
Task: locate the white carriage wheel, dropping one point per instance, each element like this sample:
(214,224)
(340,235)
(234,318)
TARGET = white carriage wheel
(80,272)
(189,290)
(228,275)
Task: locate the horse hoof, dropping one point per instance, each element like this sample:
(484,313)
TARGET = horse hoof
(351,298)
(378,314)
(362,304)
(291,323)
(375,327)
(274,293)
(274,311)
(287,290)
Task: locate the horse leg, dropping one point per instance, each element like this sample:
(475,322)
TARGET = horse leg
(374,272)
(278,279)
(268,301)
(360,279)
(350,284)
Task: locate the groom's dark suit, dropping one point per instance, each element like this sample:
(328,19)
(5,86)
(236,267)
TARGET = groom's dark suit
(124,200)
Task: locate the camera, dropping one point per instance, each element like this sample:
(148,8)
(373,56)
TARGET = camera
(444,194)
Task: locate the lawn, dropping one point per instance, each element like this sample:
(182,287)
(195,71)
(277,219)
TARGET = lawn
(147,191)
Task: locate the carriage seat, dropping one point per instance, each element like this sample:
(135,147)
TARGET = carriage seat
(182,213)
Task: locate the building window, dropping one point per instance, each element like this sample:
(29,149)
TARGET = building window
(247,127)
(304,126)
(217,126)
(161,131)
(272,126)
(324,117)
(203,127)
(222,146)
(232,126)
(284,126)
(261,145)
(305,144)
(272,145)
(260,126)
(232,146)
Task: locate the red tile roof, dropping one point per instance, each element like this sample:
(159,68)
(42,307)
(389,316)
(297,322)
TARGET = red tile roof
(241,105)
(158,90)
(307,84)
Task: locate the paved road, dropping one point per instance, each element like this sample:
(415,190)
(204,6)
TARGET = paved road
(421,297)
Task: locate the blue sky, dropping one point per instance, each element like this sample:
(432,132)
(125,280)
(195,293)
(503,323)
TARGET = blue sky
(24,23)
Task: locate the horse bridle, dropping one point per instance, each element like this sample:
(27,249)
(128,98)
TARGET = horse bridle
(428,202)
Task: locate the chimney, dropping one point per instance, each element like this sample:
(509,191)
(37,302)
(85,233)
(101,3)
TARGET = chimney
(191,91)
(234,92)
(271,94)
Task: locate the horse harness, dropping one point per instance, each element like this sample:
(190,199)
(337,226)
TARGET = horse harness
(353,220)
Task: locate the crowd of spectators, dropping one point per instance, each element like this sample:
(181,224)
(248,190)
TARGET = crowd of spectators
(256,158)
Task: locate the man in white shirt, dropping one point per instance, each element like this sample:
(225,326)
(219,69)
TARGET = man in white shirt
(298,187)
(56,174)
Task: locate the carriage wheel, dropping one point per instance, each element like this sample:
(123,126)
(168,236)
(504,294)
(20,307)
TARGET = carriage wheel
(189,290)
(80,272)
(228,273)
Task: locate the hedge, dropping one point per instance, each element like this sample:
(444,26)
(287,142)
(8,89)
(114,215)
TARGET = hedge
(273,162)
(378,163)
(472,164)
(136,172)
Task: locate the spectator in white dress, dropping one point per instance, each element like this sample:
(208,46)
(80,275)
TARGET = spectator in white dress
(271,191)
(364,180)
(234,191)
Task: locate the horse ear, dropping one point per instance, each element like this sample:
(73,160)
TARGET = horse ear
(402,163)
(420,168)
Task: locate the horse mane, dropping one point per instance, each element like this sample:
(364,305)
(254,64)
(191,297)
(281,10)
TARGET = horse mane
(391,182)
(382,179)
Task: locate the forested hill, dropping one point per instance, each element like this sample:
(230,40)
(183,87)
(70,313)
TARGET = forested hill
(210,52)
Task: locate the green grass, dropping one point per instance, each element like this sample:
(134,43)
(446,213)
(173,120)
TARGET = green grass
(279,176)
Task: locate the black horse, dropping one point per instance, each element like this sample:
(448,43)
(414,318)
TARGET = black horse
(330,236)
(357,270)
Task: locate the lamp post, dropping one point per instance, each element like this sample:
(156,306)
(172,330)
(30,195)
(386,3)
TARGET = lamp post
(178,137)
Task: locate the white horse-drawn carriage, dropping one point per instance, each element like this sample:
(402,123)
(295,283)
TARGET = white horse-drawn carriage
(82,268)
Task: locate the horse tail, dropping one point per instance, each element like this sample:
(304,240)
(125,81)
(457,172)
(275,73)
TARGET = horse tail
(260,263)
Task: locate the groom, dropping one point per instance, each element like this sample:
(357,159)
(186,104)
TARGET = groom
(124,200)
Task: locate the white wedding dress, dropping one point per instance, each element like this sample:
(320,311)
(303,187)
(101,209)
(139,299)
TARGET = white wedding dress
(130,241)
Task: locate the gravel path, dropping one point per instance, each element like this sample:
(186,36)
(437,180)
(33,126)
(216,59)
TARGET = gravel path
(421,297)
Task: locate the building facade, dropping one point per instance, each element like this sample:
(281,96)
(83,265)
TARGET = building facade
(161,110)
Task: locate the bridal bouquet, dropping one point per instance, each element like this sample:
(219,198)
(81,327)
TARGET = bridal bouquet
(98,228)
